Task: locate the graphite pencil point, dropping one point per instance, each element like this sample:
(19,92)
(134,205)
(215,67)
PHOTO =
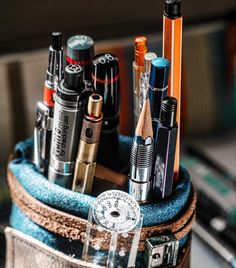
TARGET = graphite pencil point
(144,126)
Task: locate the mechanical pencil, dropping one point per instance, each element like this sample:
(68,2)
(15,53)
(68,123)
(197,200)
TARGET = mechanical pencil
(158,85)
(172,50)
(165,149)
(44,112)
(88,146)
(144,78)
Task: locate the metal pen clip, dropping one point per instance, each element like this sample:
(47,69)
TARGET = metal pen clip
(161,251)
(43,124)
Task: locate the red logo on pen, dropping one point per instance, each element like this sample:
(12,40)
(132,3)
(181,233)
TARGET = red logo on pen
(48,96)
(106,81)
(82,62)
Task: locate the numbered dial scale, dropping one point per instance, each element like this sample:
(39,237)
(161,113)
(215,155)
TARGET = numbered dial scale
(116,211)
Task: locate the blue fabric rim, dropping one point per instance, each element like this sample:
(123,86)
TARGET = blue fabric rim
(22,223)
(78,204)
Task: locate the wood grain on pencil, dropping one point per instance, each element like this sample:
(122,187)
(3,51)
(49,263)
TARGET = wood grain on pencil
(144,126)
(172,50)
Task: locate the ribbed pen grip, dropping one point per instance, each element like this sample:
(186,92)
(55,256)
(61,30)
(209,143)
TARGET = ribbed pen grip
(142,154)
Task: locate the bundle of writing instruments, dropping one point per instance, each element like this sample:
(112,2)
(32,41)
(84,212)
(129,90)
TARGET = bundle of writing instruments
(115,185)
(77,122)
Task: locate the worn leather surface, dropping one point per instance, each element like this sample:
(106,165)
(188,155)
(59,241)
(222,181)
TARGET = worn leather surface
(79,204)
(74,227)
(61,215)
(184,255)
(24,251)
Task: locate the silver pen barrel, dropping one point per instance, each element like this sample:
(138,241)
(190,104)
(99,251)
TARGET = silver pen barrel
(55,61)
(144,78)
(140,183)
(44,113)
(43,125)
(68,115)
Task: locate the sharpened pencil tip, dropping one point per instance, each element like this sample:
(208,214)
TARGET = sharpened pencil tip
(144,126)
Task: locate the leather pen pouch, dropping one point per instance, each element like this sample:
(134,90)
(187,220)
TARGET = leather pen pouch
(57,217)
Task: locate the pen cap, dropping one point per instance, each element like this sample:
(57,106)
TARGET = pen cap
(56,41)
(168,112)
(72,85)
(106,80)
(159,73)
(80,48)
(173,8)
(73,77)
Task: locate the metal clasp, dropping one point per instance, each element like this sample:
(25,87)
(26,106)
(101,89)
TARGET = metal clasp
(161,251)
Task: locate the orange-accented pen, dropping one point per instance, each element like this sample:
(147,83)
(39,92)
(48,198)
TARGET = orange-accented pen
(172,50)
(140,49)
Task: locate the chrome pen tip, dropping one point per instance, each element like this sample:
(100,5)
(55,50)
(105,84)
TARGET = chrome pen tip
(95,105)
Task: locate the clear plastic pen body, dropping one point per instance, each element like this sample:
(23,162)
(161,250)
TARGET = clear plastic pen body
(137,71)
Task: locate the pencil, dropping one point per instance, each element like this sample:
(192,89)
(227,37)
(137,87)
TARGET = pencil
(172,50)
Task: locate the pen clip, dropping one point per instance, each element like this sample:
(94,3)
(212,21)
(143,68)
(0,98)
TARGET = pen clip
(43,123)
(37,140)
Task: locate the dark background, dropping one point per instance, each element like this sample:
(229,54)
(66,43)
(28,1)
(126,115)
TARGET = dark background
(26,24)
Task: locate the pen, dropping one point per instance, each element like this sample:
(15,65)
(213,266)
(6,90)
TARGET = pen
(44,113)
(172,50)
(158,86)
(68,116)
(106,81)
(140,49)
(80,50)
(165,148)
(88,146)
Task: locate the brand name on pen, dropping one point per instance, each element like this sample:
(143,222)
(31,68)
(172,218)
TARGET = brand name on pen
(61,134)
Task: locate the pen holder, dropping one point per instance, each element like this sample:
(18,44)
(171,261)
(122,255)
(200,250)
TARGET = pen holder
(52,220)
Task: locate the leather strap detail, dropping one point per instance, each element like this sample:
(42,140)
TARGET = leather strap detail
(74,227)
(184,255)
(25,251)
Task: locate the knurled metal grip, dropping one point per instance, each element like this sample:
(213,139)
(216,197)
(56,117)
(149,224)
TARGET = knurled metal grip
(91,131)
